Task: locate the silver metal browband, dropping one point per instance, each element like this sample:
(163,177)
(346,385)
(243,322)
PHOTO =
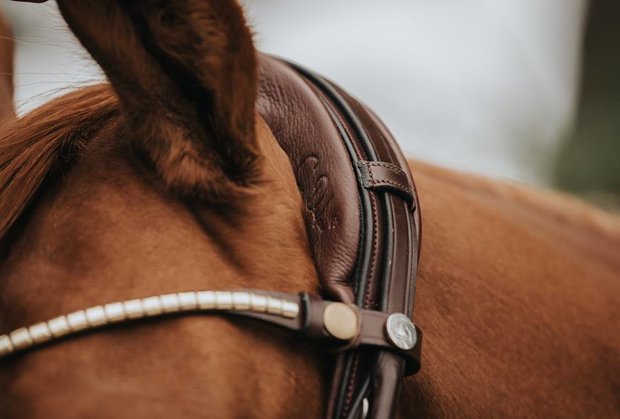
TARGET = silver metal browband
(123,311)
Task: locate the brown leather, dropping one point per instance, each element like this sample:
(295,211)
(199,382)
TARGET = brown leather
(402,162)
(304,129)
(397,272)
(386,176)
(363,220)
(310,324)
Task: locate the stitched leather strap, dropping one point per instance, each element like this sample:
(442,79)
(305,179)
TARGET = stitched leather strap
(383,279)
(383,176)
(311,324)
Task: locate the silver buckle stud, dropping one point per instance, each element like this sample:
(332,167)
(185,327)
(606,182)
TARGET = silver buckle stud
(401,331)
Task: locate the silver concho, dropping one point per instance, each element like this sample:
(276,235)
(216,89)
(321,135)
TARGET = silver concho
(401,331)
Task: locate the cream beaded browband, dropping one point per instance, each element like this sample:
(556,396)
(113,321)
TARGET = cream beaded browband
(340,326)
(119,312)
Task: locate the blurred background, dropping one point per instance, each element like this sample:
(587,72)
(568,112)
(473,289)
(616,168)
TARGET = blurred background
(526,90)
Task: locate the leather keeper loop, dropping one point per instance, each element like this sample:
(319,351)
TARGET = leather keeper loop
(383,176)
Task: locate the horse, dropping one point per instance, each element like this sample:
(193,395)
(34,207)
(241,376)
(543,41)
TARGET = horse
(166,179)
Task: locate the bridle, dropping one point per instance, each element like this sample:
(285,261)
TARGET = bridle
(363,220)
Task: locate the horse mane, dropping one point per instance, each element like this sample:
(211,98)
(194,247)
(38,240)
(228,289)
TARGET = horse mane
(45,141)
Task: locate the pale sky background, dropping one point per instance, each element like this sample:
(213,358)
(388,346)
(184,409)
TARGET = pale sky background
(482,85)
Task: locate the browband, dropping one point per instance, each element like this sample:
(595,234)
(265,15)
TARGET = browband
(334,325)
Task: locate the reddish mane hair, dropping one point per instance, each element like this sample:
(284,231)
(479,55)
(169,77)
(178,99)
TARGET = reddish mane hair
(44,142)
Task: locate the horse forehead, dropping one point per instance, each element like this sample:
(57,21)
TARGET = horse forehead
(104,222)
(105,187)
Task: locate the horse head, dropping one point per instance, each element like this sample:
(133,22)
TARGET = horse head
(174,177)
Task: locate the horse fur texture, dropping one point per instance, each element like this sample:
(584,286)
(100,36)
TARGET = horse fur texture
(166,180)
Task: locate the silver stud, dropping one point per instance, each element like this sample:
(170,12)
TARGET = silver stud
(170,303)
(365,408)
(206,300)
(115,312)
(6,347)
(21,338)
(40,333)
(59,326)
(258,303)
(290,309)
(96,316)
(77,321)
(401,331)
(274,305)
(188,301)
(133,309)
(223,300)
(152,306)
(241,301)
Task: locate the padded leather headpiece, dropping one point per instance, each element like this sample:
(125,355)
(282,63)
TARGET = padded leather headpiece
(361,214)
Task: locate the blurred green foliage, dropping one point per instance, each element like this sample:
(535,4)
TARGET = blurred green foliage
(589,162)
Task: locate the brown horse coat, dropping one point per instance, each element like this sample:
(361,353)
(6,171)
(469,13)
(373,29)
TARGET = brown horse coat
(167,181)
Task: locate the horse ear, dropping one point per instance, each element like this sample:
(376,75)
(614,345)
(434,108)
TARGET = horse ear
(186,75)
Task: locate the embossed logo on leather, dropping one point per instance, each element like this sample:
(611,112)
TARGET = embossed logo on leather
(315,190)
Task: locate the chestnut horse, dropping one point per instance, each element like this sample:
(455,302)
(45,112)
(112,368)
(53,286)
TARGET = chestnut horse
(143,187)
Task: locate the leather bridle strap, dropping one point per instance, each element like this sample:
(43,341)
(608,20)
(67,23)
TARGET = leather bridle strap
(335,326)
(366,383)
